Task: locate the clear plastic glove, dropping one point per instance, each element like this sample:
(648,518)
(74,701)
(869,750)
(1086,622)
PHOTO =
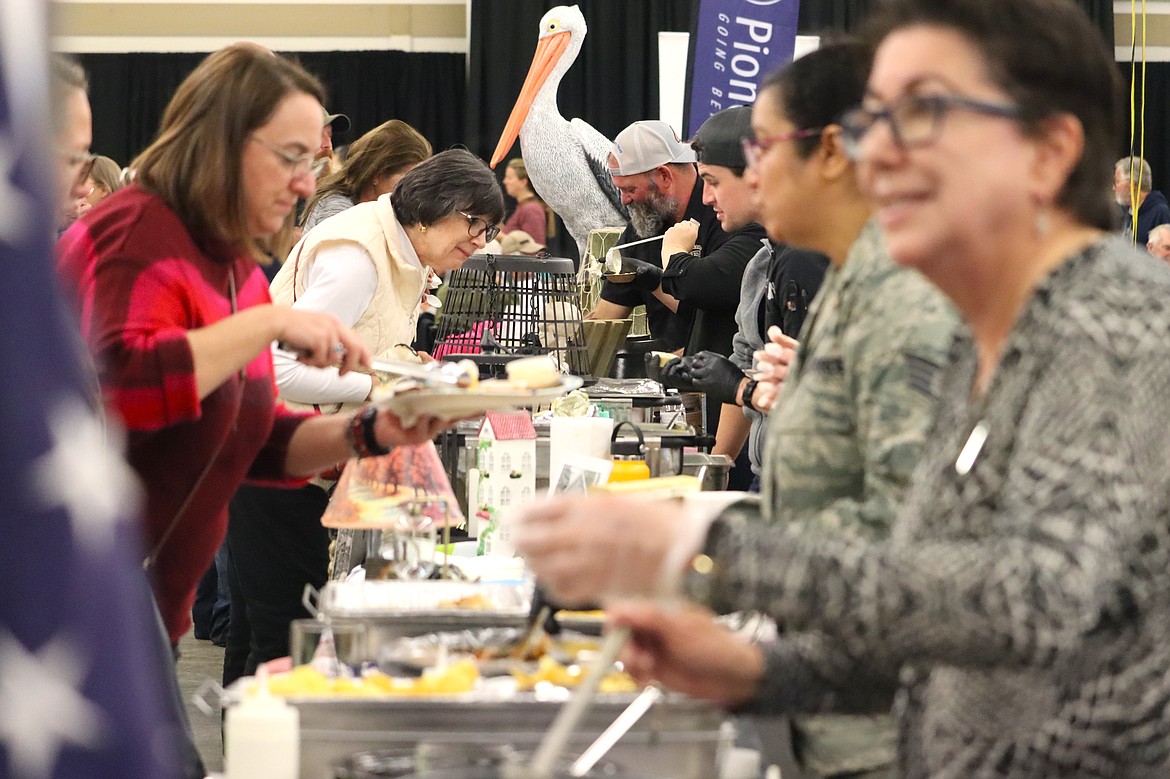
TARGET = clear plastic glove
(648,276)
(682,237)
(600,548)
(715,375)
(770,367)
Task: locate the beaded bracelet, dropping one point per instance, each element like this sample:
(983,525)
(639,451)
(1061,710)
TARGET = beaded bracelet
(359,433)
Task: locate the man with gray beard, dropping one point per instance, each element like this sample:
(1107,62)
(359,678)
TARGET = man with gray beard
(689,282)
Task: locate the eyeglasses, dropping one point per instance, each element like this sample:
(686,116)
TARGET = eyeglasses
(755,148)
(82,160)
(298,164)
(477,227)
(915,120)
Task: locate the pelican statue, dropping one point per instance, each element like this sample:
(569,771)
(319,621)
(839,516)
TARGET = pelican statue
(566,160)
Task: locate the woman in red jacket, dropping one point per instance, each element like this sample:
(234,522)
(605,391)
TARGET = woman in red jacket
(176,309)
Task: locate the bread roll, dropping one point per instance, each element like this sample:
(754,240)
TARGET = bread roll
(533,373)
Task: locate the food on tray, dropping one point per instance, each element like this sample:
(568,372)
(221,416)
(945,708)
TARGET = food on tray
(460,676)
(592,615)
(613,261)
(473,602)
(550,671)
(533,372)
(471,371)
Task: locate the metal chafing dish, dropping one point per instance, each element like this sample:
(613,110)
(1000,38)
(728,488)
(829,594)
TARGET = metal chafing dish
(678,737)
(427,759)
(469,762)
(396,608)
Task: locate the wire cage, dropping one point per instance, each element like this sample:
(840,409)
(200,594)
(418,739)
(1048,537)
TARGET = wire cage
(501,307)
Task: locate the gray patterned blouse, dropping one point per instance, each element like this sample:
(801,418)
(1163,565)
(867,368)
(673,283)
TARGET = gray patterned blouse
(1021,610)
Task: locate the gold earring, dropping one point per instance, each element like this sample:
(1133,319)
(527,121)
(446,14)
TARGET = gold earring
(422,228)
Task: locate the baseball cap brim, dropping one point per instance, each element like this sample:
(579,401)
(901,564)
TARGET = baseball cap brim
(340,122)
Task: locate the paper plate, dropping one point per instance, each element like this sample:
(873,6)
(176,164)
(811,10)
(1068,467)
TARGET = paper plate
(452,403)
(620,278)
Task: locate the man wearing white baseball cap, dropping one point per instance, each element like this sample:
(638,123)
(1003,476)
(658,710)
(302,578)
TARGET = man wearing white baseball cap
(644,146)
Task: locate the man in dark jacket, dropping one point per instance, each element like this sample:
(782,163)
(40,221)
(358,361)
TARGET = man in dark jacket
(1132,177)
(777,286)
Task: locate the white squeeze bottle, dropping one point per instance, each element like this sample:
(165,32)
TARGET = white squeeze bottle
(262,736)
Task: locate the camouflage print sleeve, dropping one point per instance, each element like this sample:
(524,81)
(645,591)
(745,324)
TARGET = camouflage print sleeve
(892,347)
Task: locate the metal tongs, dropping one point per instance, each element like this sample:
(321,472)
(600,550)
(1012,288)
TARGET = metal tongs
(431,374)
(542,621)
(574,710)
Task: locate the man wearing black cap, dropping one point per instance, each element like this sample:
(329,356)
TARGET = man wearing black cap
(777,286)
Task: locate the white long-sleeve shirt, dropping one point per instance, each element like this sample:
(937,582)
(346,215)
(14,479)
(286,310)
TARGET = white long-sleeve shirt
(341,282)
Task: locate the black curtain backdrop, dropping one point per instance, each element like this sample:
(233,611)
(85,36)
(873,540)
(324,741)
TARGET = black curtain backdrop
(613,83)
(615,79)
(129,92)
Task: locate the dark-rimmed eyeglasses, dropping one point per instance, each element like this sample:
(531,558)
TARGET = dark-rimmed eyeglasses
(915,120)
(477,227)
(298,164)
(81,160)
(754,148)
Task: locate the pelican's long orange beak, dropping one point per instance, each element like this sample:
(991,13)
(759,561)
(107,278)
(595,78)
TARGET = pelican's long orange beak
(548,53)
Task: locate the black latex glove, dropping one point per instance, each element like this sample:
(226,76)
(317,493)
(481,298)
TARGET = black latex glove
(676,373)
(716,375)
(648,278)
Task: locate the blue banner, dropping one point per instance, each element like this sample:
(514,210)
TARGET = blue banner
(734,45)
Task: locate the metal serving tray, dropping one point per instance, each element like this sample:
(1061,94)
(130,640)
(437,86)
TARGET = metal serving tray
(400,609)
(678,737)
(416,598)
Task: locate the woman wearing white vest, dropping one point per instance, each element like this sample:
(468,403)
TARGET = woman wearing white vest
(368,266)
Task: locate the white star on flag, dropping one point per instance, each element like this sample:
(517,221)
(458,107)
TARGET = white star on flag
(87,476)
(41,708)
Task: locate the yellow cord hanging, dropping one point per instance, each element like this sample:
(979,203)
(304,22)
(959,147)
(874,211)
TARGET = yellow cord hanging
(1137,132)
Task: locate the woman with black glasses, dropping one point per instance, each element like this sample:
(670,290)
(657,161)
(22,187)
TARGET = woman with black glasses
(369,268)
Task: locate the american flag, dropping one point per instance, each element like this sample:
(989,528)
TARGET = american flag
(81,682)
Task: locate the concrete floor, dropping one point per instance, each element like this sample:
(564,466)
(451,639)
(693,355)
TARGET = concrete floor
(202,660)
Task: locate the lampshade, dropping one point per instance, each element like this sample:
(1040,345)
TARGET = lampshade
(380,492)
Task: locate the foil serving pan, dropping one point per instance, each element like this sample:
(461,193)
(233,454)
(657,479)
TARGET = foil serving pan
(404,598)
(678,737)
(396,609)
